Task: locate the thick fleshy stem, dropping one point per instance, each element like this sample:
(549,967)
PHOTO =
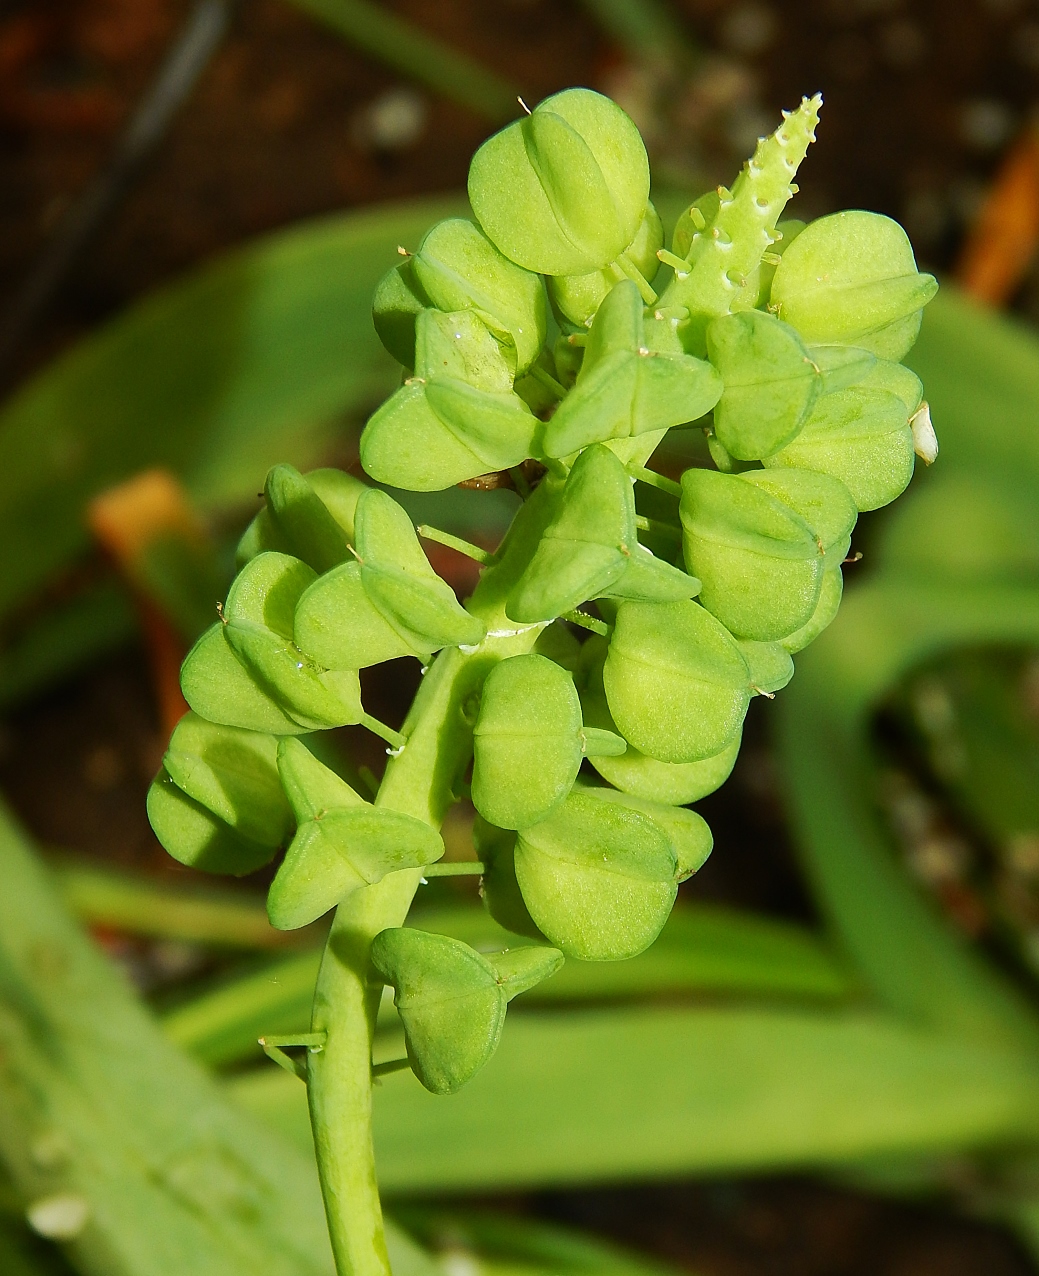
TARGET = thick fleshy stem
(421,781)
(725,254)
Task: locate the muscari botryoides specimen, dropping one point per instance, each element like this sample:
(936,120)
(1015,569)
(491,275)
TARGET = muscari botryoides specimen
(553,337)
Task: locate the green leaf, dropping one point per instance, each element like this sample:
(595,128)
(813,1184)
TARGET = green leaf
(526,743)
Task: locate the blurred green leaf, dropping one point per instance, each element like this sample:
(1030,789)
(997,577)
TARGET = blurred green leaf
(254,359)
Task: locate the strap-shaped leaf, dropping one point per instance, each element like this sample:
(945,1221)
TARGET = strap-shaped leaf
(770,382)
(823,502)
(676,683)
(851,279)
(599,879)
(302,520)
(590,549)
(232,773)
(690,837)
(342,844)
(562,191)
(196,837)
(527,747)
(458,268)
(759,561)
(676,783)
(625,387)
(861,437)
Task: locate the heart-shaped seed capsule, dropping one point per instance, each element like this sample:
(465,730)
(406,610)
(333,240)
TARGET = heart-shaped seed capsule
(232,773)
(842,366)
(825,610)
(457,418)
(769,663)
(599,880)
(342,842)
(218,687)
(258,620)
(299,516)
(859,436)
(526,742)
(562,192)
(770,383)
(336,491)
(676,683)
(625,387)
(759,562)
(196,837)
(851,279)
(676,783)
(898,380)
(396,306)
(452,1000)
(690,837)
(499,889)
(823,502)
(578,297)
(387,603)
(458,268)
(591,550)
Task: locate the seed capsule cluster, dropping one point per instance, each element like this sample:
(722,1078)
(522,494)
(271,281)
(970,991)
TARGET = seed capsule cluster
(557,329)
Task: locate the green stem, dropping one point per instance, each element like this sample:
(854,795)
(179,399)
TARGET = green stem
(470,550)
(454,868)
(656,480)
(628,267)
(668,530)
(419,781)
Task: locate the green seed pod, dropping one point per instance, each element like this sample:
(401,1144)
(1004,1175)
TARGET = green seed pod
(300,518)
(458,268)
(676,783)
(599,879)
(342,844)
(676,683)
(337,491)
(388,603)
(218,687)
(457,418)
(861,437)
(527,745)
(397,304)
(851,279)
(626,388)
(591,549)
(578,297)
(232,773)
(823,502)
(896,379)
(728,250)
(842,366)
(690,837)
(759,561)
(562,192)
(770,380)
(825,611)
(769,663)
(499,889)
(452,1000)
(196,837)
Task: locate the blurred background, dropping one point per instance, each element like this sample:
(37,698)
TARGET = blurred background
(143,143)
